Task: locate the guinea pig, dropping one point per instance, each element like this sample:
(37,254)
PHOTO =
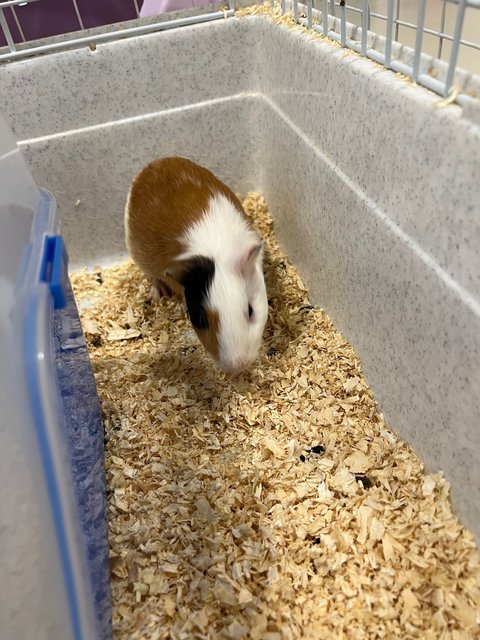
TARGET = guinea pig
(188,231)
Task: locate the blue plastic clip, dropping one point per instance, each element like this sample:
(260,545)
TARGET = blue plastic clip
(52,271)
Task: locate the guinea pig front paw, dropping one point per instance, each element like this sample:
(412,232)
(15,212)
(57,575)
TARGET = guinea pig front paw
(160,290)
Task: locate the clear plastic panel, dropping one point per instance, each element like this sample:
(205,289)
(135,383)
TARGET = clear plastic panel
(54,569)
(33,601)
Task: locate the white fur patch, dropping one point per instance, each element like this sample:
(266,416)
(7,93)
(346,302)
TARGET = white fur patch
(224,235)
(217,234)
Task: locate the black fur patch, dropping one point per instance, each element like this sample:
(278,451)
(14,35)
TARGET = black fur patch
(196,282)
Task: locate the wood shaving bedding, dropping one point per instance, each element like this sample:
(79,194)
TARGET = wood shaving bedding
(273,505)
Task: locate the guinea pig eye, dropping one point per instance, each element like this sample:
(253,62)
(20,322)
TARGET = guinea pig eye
(250,311)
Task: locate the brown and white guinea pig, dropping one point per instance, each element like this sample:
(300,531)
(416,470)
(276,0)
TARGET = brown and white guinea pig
(188,231)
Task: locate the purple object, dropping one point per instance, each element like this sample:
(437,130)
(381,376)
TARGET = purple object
(13,28)
(95,13)
(47,18)
(155,7)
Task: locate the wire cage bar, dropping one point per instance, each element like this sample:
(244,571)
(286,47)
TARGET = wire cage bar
(419,40)
(456,43)
(332,23)
(347,22)
(14,53)
(389,34)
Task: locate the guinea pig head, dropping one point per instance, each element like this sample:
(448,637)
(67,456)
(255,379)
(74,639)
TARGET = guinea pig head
(227,304)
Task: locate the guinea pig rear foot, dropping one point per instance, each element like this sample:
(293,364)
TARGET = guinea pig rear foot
(160,290)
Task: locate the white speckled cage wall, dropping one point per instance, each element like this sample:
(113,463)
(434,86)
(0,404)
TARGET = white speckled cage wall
(374,190)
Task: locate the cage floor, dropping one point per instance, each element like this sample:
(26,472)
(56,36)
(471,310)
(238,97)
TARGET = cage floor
(274,505)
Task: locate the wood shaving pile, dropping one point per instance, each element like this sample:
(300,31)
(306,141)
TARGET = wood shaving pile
(271,506)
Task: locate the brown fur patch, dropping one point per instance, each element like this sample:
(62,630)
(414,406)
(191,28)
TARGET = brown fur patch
(209,337)
(165,199)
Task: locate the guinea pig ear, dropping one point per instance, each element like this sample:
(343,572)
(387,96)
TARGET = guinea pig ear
(246,262)
(195,273)
(176,270)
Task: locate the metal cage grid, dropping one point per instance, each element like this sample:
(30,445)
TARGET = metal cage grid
(349,23)
(75,40)
(358,37)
